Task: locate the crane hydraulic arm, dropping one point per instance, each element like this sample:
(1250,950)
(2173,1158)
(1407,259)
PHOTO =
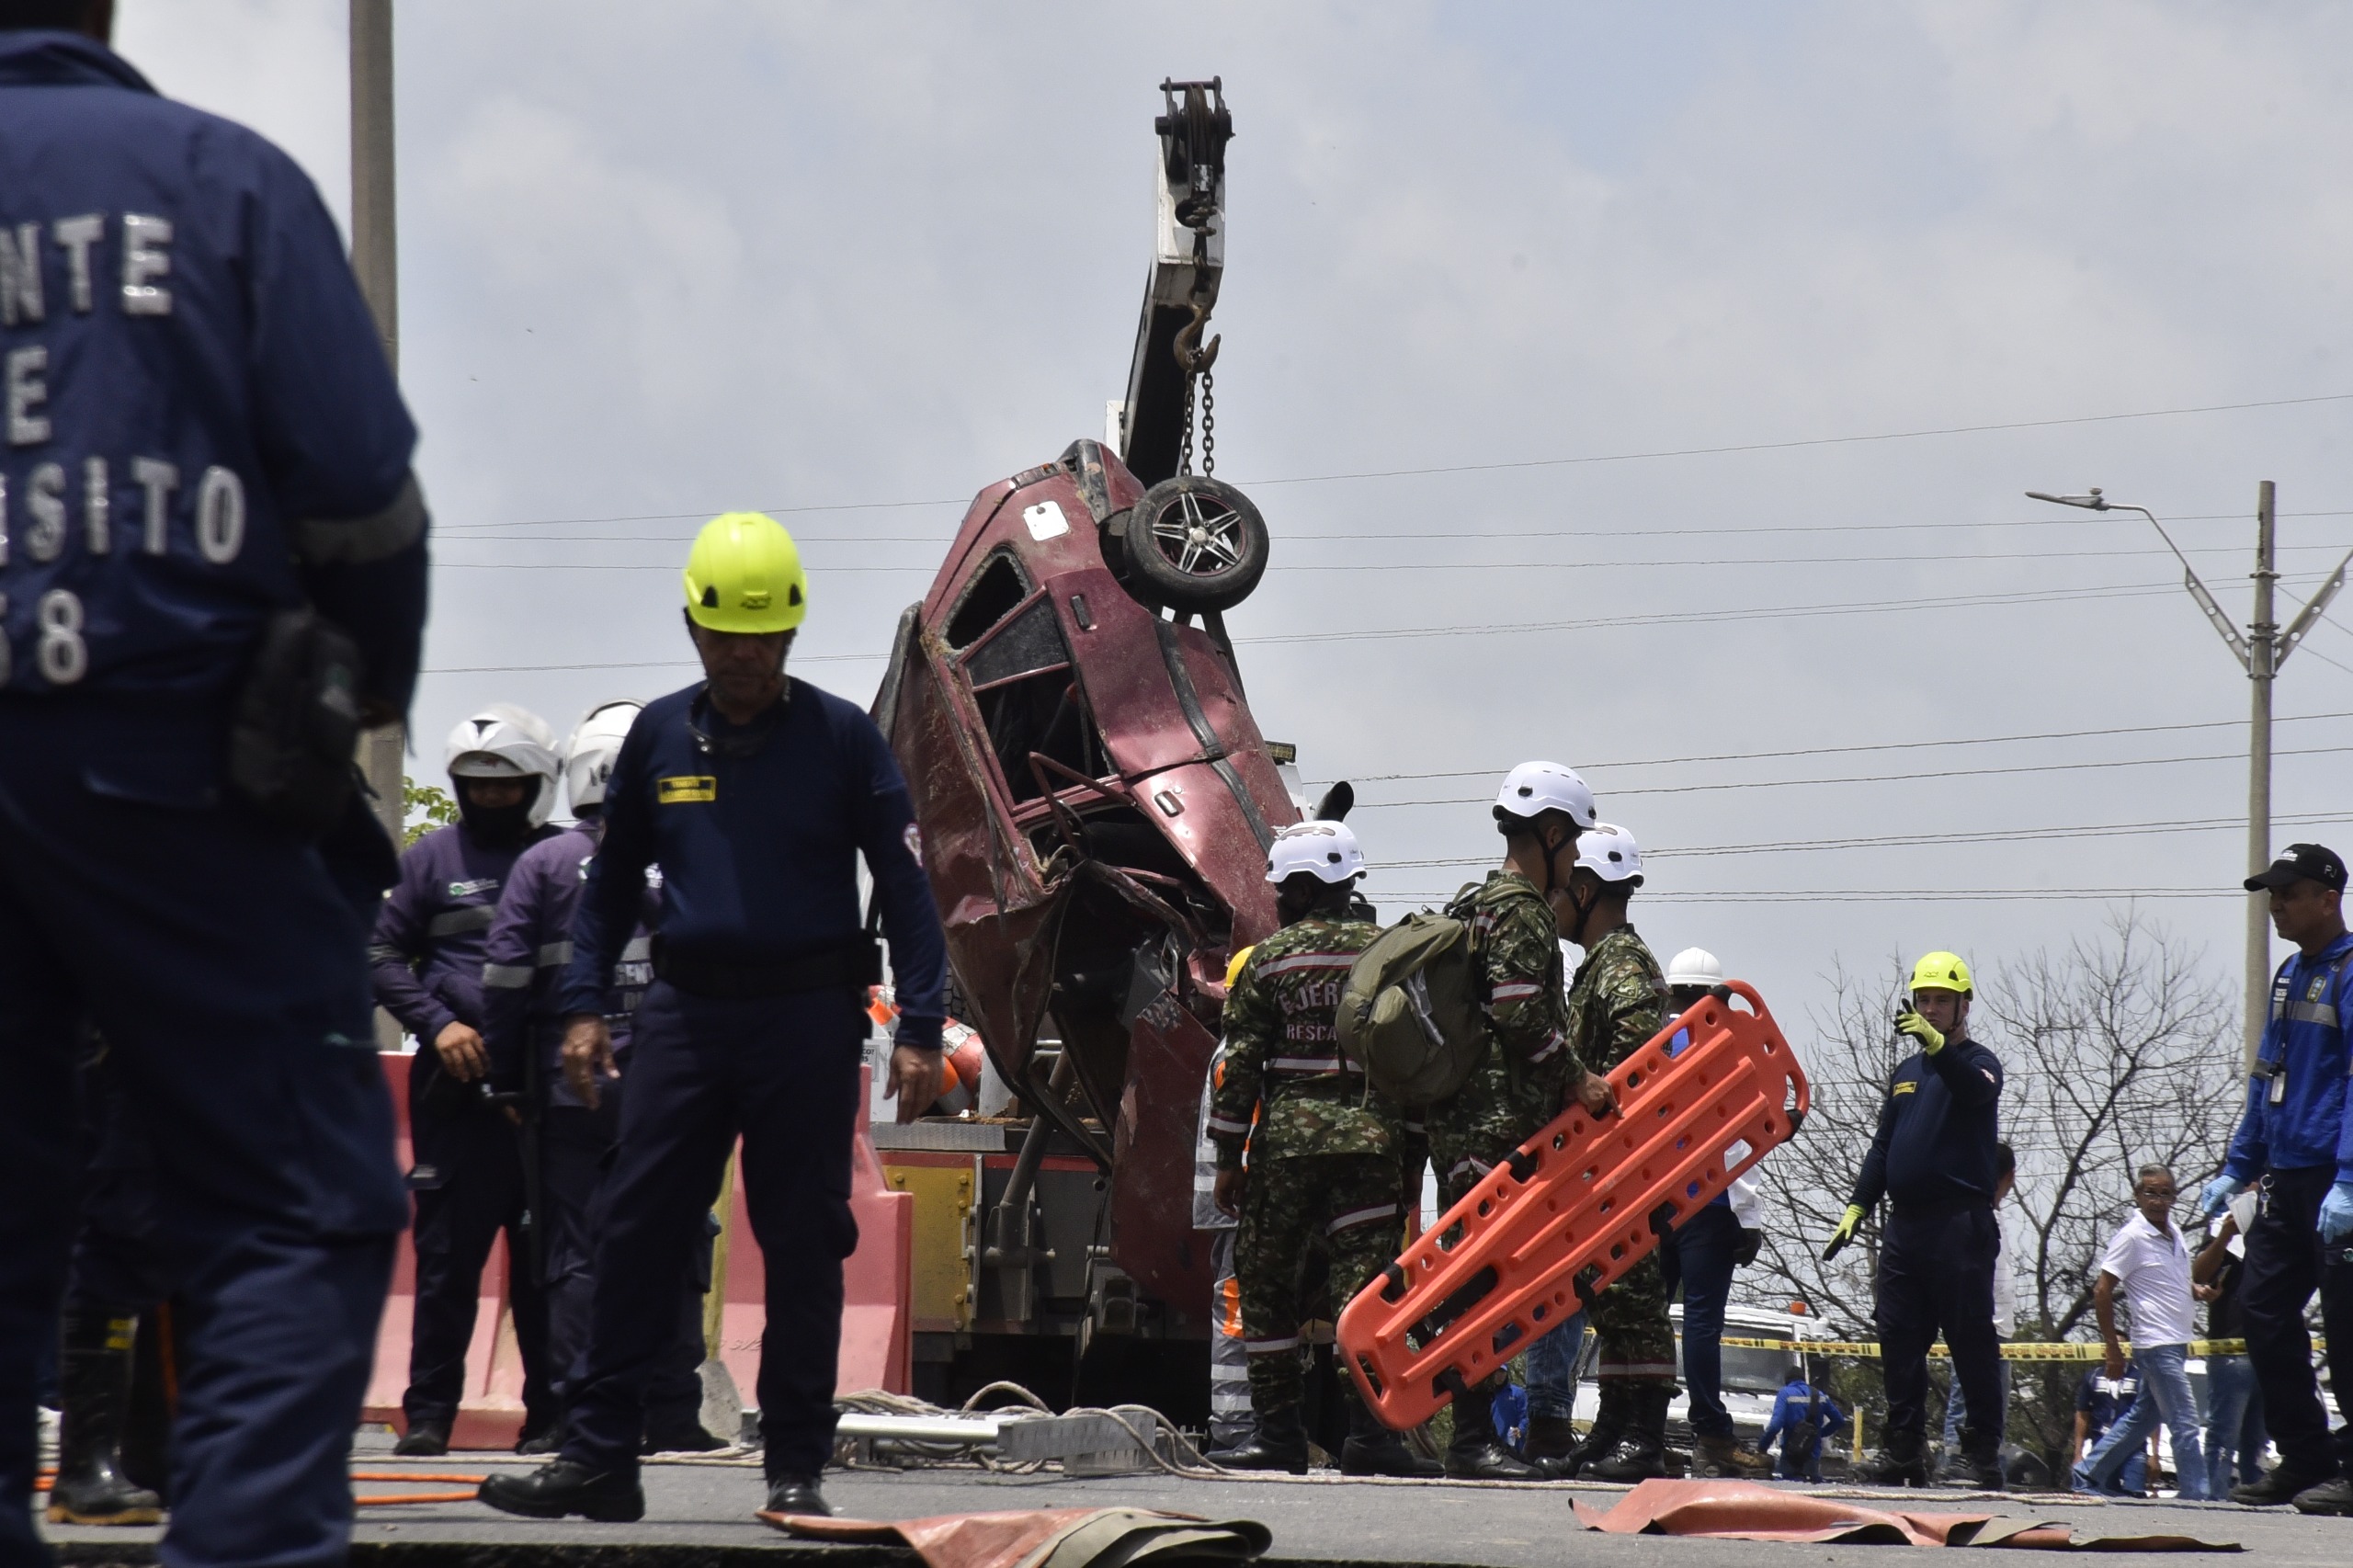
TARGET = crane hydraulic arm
(1188,260)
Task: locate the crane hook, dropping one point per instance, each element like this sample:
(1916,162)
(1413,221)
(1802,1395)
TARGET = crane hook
(1190,355)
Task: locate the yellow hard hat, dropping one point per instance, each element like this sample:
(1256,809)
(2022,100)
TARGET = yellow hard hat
(1234,970)
(743,575)
(1941,971)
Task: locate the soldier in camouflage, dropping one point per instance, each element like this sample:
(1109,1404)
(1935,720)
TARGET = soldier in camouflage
(1616,1005)
(1323,1160)
(1529,1068)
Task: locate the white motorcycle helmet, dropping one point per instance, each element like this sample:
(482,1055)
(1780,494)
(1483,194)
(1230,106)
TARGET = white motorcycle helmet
(1326,850)
(589,756)
(502,741)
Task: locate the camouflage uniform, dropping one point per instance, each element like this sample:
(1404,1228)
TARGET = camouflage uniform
(1614,1006)
(1323,1160)
(1521,1082)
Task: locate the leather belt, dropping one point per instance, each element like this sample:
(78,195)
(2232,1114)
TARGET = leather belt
(854,965)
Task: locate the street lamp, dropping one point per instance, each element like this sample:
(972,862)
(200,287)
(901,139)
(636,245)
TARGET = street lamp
(2260,653)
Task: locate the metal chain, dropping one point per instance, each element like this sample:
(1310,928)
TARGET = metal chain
(1208,423)
(1185,447)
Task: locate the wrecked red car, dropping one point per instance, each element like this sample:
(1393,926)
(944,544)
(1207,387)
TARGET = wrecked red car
(1096,800)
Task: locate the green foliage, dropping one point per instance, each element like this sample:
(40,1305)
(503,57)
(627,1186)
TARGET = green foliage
(424,807)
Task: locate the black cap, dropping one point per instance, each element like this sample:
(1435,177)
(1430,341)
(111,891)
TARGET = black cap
(2302,862)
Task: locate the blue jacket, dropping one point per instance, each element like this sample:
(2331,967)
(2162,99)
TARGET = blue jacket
(528,948)
(427,947)
(198,425)
(1799,1401)
(1938,1131)
(2305,1042)
(759,853)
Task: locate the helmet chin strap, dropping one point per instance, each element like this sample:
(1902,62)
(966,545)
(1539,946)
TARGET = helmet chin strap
(1584,907)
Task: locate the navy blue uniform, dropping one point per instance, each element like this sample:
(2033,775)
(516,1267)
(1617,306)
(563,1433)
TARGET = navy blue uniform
(753,1025)
(523,962)
(1934,1157)
(197,430)
(2297,1139)
(468,1175)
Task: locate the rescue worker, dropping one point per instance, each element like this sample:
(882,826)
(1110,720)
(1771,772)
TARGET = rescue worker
(755,792)
(1936,1155)
(2295,1138)
(212,532)
(467,1170)
(1323,1157)
(1523,1079)
(565,1142)
(1698,1257)
(1614,1008)
(1231,1424)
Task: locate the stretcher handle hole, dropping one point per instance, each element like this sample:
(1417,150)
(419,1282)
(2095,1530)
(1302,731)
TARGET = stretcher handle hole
(1523,1163)
(1392,1288)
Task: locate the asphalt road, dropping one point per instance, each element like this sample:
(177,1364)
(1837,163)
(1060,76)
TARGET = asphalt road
(700,1513)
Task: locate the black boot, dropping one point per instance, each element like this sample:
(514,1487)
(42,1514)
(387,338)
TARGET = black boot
(797,1494)
(424,1439)
(555,1490)
(2279,1486)
(1608,1426)
(1374,1449)
(1981,1456)
(1476,1454)
(1640,1453)
(1281,1444)
(94,1375)
(1551,1438)
(1903,1462)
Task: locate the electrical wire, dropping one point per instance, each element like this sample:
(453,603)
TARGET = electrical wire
(1874,896)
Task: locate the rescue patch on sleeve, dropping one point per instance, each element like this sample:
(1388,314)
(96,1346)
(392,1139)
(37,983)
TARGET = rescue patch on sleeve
(1906,1087)
(686,786)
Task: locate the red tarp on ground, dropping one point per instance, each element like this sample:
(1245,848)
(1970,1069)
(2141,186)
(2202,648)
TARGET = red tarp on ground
(1747,1510)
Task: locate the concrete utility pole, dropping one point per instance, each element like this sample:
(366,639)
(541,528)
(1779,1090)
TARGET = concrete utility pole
(2260,653)
(375,252)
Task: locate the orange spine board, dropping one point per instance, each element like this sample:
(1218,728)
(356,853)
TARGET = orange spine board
(1573,1209)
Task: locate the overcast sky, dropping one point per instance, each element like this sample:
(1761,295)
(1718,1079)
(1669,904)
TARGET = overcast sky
(662,261)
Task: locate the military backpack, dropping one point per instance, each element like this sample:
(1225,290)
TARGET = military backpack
(1412,1010)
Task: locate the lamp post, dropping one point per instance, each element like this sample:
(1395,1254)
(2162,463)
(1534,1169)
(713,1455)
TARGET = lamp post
(2261,652)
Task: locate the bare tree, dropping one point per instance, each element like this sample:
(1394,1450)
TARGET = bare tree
(2117,1051)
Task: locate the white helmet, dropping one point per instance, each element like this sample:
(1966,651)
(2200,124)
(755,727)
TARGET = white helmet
(588,757)
(502,741)
(1326,850)
(1534,788)
(1610,853)
(1695,969)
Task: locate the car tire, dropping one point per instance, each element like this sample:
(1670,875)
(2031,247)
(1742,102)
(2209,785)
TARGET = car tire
(1195,545)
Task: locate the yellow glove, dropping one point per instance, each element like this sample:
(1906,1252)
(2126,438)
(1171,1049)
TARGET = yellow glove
(1919,1029)
(1845,1233)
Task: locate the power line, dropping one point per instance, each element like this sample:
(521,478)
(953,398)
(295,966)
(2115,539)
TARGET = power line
(1875,746)
(2003,836)
(1884,778)
(1875,895)
(1594,457)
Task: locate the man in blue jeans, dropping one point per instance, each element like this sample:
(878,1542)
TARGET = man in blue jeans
(2234,1404)
(2149,1259)
(1699,1255)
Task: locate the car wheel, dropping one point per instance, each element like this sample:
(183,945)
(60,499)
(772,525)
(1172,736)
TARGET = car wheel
(1195,544)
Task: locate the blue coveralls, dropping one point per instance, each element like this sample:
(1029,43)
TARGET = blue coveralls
(198,429)
(1798,1403)
(753,1025)
(468,1175)
(1933,1155)
(2296,1137)
(523,962)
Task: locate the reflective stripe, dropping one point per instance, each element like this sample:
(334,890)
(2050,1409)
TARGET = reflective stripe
(1271,1347)
(1514,992)
(1356,1217)
(554,955)
(641,949)
(1219,1124)
(506,976)
(354,542)
(1229,1402)
(386,955)
(1635,1370)
(2323,1013)
(478,918)
(1309,960)
(1304,1064)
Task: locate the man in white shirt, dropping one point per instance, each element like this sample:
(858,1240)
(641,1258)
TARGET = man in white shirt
(2149,1259)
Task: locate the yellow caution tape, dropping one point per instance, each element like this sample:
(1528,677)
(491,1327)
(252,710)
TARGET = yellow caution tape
(2022,1350)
